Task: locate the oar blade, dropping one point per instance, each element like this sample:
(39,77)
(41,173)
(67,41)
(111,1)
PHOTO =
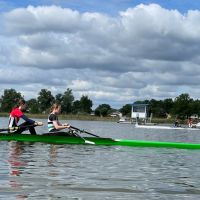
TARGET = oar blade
(89,142)
(86,141)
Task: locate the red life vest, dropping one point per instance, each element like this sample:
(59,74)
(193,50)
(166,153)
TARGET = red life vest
(15,115)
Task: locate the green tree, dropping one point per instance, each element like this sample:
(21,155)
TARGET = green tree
(10,99)
(33,106)
(195,107)
(59,98)
(76,107)
(85,104)
(102,110)
(126,110)
(45,100)
(157,108)
(182,106)
(168,105)
(67,103)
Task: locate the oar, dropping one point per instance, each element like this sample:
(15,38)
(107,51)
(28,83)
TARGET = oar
(83,131)
(86,141)
(18,127)
(9,129)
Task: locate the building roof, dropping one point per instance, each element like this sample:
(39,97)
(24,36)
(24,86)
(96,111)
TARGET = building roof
(140,104)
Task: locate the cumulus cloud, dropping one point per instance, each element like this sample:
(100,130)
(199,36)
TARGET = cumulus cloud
(141,53)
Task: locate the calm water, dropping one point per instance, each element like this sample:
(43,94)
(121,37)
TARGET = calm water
(78,172)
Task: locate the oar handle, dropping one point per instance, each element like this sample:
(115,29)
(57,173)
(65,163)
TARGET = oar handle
(9,129)
(83,131)
(18,127)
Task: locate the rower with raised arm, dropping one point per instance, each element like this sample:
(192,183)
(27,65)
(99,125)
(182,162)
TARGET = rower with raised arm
(54,126)
(17,114)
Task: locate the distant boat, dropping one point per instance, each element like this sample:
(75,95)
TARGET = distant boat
(165,127)
(197,125)
(124,121)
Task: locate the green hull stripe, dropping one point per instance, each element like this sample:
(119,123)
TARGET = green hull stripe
(97,141)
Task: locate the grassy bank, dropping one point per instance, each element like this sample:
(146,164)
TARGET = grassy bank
(69,117)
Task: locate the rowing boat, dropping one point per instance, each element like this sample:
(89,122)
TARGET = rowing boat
(95,140)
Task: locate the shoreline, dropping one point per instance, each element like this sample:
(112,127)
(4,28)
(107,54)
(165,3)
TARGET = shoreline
(80,117)
(85,117)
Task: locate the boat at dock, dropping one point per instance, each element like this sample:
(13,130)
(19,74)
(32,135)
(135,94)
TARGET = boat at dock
(144,126)
(94,141)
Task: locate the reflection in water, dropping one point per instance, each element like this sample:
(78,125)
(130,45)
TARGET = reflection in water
(16,166)
(52,161)
(52,154)
(16,149)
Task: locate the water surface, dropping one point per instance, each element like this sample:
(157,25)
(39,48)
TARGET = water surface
(79,172)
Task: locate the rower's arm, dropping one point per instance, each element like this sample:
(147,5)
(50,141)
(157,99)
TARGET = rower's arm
(25,118)
(59,126)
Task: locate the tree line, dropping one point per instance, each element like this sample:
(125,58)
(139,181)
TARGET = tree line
(182,106)
(45,99)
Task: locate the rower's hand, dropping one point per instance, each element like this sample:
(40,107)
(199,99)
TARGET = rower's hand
(38,124)
(66,125)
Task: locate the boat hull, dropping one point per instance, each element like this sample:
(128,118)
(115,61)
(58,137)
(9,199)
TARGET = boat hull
(96,141)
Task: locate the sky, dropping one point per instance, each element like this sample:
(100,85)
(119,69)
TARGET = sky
(114,51)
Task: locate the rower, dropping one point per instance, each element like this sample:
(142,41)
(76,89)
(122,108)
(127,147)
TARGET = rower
(176,123)
(16,114)
(54,126)
(190,122)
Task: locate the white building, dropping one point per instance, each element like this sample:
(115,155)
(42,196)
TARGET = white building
(140,112)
